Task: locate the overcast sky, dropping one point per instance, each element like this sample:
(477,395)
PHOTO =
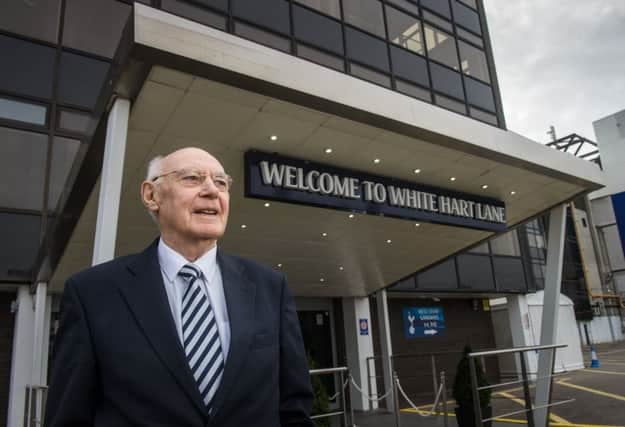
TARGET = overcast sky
(559,63)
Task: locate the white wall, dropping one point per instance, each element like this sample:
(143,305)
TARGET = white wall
(610,134)
(602,329)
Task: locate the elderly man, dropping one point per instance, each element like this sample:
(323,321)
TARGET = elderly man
(180,334)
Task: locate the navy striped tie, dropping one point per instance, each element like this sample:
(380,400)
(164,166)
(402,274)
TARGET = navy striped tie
(200,335)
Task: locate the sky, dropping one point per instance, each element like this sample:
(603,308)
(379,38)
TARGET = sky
(559,63)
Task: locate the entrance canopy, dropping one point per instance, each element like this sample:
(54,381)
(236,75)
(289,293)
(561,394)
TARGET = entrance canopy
(206,88)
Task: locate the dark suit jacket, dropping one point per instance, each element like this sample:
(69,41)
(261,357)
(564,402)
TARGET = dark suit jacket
(118,360)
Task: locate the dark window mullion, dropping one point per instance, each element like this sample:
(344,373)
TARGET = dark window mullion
(388,47)
(427,55)
(455,35)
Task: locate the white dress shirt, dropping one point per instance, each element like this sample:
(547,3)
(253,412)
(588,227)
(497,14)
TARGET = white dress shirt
(171,262)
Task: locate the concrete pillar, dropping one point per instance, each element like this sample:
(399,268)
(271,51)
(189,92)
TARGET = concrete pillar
(359,346)
(520,329)
(385,344)
(549,322)
(111,181)
(29,361)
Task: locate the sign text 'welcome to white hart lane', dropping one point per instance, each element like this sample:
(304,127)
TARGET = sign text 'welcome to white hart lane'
(274,177)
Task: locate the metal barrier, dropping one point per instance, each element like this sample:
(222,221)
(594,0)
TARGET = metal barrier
(529,408)
(342,372)
(35,404)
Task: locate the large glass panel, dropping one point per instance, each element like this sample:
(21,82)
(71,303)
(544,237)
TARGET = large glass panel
(441,276)
(273,14)
(470,37)
(483,116)
(366,49)
(217,4)
(450,104)
(36,19)
(441,46)
(64,152)
(94,25)
(263,37)
(446,81)
(472,3)
(22,168)
(320,57)
(509,274)
(475,272)
(329,7)
(438,21)
(195,13)
(29,70)
(317,29)
(74,121)
(21,111)
(466,17)
(17,258)
(480,249)
(404,285)
(372,76)
(440,6)
(473,62)
(407,5)
(409,66)
(479,94)
(404,30)
(412,90)
(506,244)
(365,14)
(81,79)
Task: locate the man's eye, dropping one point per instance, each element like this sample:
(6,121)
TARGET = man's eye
(220,182)
(192,178)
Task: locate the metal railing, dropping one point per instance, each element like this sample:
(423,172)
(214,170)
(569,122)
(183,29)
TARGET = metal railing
(342,372)
(529,408)
(35,404)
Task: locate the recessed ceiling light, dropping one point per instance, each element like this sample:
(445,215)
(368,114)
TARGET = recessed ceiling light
(324,234)
(417,225)
(341,268)
(389,241)
(327,150)
(243,226)
(273,137)
(351,216)
(267,204)
(512,193)
(376,161)
(484,186)
(322,280)
(416,171)
(453,178)
(279,265)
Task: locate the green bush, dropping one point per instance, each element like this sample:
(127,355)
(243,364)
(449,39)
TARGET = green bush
(462,382)
(320,396)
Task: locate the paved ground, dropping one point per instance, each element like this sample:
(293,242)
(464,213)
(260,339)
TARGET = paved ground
(599,395)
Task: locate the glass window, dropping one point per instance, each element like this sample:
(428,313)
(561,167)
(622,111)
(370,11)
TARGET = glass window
(470,37)
(446,81)
(36,19)
(480,249)
(320,57)
(483,116)
(473,62)
(404,30)
(272,14)
(22,169)
(479,94)
(329,7)
(406,5)
(404,285)
(365,14)
(368,74)
(263,37)
(94,25)
(471,3)
(466,17)
(195,13)
(441,276)
(16,259)
(506,244)
(450,104)
(317,29)
(366,49)
(440,6)
(64,152)
(441,47)
(30,69)
(437,20)
(73,121)
(217,4)
(509,274)
(475,272)
(412,90)
(21,111)
(410,67)
(81,79)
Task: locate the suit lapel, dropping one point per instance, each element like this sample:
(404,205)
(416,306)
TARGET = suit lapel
(240,300)
(145,295)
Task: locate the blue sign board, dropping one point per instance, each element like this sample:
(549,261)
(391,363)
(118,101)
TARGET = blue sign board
(618,203)
(364,326)
(423,322)
(273,177)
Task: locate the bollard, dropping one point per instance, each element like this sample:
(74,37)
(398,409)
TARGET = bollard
(444,396)
(396,400)
(594,361)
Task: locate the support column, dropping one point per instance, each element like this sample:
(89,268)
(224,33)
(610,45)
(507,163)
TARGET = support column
(385,345)
(520,329)
(359,346)
(111,181)
(549,322)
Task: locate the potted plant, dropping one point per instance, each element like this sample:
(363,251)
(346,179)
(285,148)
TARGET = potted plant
(320,396)
(463,395)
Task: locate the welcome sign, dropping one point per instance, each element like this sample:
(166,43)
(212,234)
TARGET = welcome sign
(274,177)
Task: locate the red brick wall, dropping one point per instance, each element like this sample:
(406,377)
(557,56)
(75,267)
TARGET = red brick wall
(6,348)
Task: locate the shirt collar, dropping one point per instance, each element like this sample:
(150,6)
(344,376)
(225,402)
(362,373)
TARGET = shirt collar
(171,261)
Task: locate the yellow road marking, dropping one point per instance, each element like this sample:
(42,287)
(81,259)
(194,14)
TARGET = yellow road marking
(521,402)
(600,371)
(592,390)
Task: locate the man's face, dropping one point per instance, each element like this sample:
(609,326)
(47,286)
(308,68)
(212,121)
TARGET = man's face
(190,215)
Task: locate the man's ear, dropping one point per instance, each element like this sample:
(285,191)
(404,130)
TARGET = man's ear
(150,196)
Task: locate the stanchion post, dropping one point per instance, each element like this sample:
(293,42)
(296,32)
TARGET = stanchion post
(396,400)
(477,410)
(343,400)
(444,385)
(526,391)
(434,376)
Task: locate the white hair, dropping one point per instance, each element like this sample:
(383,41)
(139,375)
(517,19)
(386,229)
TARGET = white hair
(154,170)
